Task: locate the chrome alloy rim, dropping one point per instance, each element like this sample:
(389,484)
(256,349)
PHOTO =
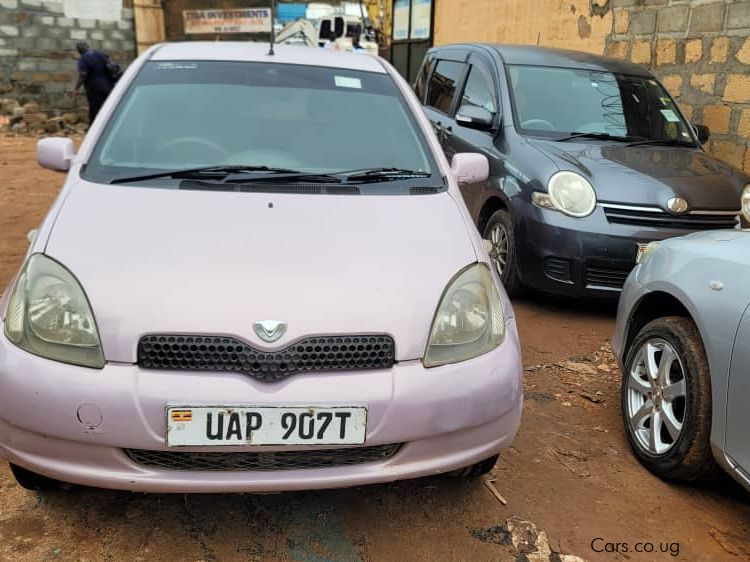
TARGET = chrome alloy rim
(656,396)
(497,246)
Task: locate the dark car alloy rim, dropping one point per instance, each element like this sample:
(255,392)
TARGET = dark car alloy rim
(498,248)
(656,396)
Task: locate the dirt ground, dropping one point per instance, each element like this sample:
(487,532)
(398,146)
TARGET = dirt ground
(570,471)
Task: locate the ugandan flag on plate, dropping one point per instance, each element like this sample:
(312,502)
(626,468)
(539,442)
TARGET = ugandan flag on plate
(181,415)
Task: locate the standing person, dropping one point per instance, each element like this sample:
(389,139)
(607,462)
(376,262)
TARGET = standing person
(94,76)
(356,45)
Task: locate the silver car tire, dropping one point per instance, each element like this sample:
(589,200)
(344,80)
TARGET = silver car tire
(666,400)
(500,240)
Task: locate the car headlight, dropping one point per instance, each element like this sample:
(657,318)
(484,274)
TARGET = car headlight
(569,193)
(746,203)
(469,320)
(49,315)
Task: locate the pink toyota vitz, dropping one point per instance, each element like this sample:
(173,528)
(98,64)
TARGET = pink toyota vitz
(259,276)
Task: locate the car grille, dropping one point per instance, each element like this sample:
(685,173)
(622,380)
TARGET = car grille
(217,353)
(657,218)
(284,460)
(606,277)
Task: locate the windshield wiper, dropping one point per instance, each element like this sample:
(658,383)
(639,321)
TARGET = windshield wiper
(383,174)
(598,136)
(205,171)
(663,142)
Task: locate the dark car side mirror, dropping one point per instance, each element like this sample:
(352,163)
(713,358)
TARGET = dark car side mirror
(702,132)
(475,117)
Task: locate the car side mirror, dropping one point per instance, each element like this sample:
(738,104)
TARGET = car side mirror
(470,167)
(702,132)
(55,153)
(475,117)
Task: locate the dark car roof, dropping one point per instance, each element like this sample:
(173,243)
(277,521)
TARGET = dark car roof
(544,56)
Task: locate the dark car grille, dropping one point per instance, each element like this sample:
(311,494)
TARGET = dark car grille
(217,353)
(657,218)
(284,460)
(606,277)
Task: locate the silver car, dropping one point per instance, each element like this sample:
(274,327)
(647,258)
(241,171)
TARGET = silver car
(683,343)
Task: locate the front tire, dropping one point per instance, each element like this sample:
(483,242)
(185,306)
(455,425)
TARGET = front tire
(666,400)
(500,239)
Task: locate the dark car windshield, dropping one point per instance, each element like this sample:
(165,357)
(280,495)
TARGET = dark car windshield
(186,115)
(555,102)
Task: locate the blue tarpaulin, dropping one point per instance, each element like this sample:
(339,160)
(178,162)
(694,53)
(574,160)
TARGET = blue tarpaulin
(290,12)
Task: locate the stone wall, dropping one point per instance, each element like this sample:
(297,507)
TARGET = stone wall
(37,46)
(701,52)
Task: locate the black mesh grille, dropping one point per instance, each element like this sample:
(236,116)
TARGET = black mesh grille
(284,460)
(662,219)
(216,353)
(606,277)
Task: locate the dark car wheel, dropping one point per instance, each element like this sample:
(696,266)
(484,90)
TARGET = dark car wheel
(476,470)
(31,480)
(500,240)
(666,400)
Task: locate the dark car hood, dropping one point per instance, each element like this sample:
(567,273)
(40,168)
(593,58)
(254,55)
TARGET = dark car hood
(650,175)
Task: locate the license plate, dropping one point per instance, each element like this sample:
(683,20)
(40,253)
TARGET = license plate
(265,425)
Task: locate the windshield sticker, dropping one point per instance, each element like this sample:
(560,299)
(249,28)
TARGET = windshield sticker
(670,115)
(347,82)
(665,101)
(176,66)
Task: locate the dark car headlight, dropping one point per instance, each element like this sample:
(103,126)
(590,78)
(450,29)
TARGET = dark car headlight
(746,203)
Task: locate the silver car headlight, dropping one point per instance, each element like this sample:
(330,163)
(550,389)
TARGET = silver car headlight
(49,315)
(746,203)
(569,193)
(469,320)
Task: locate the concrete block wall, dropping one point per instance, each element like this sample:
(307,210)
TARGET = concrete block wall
(700,49)
(37,50)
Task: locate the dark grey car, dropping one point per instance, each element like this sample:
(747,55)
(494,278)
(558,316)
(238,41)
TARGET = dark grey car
(590,160)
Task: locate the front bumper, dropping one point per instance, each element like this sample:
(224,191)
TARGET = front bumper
(588,257)
(445,418)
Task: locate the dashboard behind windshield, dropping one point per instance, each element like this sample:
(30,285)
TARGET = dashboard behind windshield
(188,114)
(551,101)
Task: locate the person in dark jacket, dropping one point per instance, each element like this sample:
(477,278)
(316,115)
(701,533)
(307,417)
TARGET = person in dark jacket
(94,77)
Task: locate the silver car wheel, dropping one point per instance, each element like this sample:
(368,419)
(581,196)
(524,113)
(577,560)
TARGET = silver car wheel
(656,396)
(498,248)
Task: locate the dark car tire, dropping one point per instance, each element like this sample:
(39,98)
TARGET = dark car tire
(476,470)
(509,275)
(688,457)
(31,480)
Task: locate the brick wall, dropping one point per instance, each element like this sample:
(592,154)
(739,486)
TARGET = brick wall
(701,51)
(37,44)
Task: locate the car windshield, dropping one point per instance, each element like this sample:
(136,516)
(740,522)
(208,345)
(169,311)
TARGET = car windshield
(192,114)
(557,102)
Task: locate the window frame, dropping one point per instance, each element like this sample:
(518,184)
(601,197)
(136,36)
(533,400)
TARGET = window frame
(485,68)
(460,82)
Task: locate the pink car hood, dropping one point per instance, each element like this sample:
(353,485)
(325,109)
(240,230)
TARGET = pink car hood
(178,261)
